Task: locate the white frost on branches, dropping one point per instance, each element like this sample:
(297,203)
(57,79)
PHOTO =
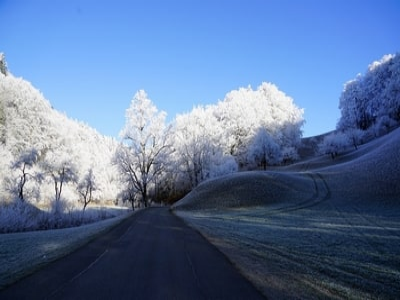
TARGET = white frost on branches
(144,145)
(372,101)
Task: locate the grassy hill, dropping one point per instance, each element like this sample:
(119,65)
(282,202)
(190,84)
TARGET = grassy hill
(320,228)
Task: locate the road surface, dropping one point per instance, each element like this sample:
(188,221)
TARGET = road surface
(151,255)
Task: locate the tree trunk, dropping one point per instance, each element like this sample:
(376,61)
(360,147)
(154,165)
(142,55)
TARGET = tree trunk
(133,204)
(21,187)
(22,184)
(56,189)
(264,163)
(144,195)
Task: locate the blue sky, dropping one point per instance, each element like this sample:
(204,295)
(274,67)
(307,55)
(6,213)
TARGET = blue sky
(90,57)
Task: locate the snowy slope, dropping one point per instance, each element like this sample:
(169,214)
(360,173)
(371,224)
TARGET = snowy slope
(372,172)
(320,229)
(247,189)
(372,175)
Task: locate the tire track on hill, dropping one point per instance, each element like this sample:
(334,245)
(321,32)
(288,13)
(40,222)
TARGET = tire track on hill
(320,194)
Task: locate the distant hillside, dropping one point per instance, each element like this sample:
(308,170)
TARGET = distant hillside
(309,146)
(370,173)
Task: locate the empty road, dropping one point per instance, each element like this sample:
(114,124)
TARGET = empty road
(151,255)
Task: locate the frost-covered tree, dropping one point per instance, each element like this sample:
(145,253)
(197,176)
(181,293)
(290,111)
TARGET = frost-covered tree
(3,65)
(129,193)
(373,99)
(60,168)
(144,144)
(263,150)
(6,159)
(3,101)
(23,164)
(237,115)
(67,149)
(356,136)
(334,144)
(245,110)
(289,154)
(198,152)
(27,116)
(28,121)
(95,152)
(214,140)
(86,187)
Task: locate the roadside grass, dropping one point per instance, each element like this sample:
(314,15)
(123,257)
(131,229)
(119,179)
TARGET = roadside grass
(313,253)
(24,253)
(20,216)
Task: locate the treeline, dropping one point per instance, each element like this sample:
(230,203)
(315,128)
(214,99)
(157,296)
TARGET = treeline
(53,161)
(47,158)
(249,129)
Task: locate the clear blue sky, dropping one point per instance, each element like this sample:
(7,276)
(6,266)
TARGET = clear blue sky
(90,57)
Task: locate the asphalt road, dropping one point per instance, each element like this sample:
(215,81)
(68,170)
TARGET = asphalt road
(151,255)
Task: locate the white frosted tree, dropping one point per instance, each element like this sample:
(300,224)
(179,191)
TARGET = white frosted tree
(86,187)
(372,99)
(237,116)
(3,65)
(140,156)
(263,150)
(356,136)
(289,154)
(334,144)
(245,110)
(23,165)
(5,161)
(60,168)
(198,151)
(28,121)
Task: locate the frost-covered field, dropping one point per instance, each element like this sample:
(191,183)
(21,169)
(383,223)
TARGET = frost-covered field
(312,230)
(23,253)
